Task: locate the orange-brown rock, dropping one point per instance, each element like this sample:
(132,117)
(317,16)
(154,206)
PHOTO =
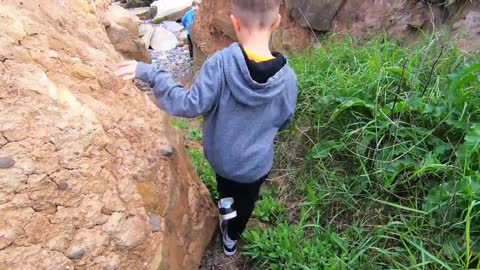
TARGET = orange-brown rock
(83,183)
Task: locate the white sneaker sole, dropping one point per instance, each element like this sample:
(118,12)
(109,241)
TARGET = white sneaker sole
(229,253)
(229,216)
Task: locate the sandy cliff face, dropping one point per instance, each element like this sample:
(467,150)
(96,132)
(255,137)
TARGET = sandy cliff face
(91,174)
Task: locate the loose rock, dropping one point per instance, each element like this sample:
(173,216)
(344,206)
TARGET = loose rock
(6,162)
(146,33)
(163,40)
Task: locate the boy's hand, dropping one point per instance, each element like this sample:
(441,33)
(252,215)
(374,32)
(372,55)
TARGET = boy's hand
(126,70)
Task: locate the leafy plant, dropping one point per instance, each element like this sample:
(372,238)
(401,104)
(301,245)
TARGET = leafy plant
(207,175)
(268,209)
(193,133)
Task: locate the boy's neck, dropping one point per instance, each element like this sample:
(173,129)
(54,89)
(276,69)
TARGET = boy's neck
(258,42)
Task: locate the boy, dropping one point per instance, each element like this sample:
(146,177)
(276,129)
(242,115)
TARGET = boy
(246,94)
(187,21)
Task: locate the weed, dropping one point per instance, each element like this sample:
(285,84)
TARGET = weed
(268,209)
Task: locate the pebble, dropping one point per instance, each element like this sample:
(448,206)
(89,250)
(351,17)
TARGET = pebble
(76,253)
(166,151)
(155,223)
(62,185)
(151,159)
(6,162)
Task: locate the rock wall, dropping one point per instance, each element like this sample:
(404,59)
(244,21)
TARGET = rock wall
(213,30)
(91,174)
(303,20)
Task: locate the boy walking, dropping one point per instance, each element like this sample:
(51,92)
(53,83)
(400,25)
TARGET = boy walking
(246,94)
(187,21)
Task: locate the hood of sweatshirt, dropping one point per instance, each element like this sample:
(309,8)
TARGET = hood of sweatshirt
(245,89)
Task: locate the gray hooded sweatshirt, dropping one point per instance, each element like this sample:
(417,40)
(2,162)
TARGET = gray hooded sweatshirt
(242,117)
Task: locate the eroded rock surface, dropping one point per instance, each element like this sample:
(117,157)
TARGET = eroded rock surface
(89,174)
(303,22)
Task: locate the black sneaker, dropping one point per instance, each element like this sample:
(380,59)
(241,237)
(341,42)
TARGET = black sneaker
(225,209)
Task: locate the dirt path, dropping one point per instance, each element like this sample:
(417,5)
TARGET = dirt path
(214,259)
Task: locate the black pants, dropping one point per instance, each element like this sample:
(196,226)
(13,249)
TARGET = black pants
(190,46)
(244,196)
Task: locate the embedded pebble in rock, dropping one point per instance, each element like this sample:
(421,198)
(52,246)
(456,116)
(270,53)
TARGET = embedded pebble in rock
(6,162)
(151,159)
(155,223)
(166,151)
(62,185)
(76,253)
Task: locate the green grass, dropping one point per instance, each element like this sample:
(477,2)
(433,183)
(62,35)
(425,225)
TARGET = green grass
(268,209)
(192,133)
(205,172)
(383,161)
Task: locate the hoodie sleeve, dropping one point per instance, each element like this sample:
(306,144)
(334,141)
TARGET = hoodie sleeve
(174,98)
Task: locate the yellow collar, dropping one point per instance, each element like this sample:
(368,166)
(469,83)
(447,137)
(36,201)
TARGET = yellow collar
(256,57)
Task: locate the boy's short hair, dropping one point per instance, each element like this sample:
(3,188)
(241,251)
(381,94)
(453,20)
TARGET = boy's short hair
(195,4)
(256,13)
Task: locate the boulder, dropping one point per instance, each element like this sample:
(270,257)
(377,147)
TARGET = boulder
(163,40)
(315,14)
(149,14)
(65,118)
(173,27)
(130,47)
(146,33)
(137,3)
(138,11)
(168,10)
(124,18)
(123,31)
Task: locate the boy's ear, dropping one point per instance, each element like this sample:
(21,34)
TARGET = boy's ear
(236,23)
(276,23)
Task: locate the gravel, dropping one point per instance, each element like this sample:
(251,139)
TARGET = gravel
(176,61)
